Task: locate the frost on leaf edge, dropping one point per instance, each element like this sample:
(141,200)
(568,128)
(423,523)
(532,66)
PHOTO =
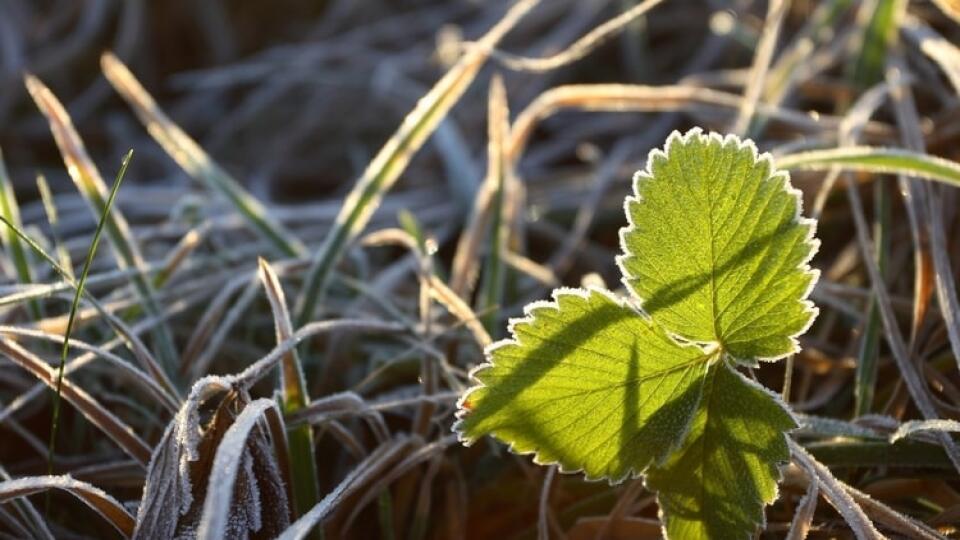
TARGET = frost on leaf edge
(527,318)
(777,399)
(766,158)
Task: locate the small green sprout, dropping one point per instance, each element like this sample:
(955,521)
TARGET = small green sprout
(715,259)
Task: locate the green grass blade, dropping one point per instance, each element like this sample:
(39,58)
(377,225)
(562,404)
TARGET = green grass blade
(64,351)
(875,160)
(11,242)
(393,158)
(191,157)
(880,20)
(93,189)
(491,289)
(50,208)
(133,343)
(294,397)
(865,379)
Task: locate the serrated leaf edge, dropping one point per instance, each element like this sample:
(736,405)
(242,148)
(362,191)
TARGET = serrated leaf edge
(780,464)
(528,318)
(646,174)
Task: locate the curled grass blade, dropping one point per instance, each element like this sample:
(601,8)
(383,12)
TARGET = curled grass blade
(191,157)
(11,211)
(393,158)
(87,178)
(294,397)
(580,48)
(106,506)
(226,468)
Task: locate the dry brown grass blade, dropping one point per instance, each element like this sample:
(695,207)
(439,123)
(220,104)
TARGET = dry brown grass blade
(428,369)
(892,519)
(28,515)
(123,367)
(459,309)
(835,494)
(178,255)
(580,48)
(487,216)
(806,508)
(639,98)
(209,322)
(97,414)
(105,505)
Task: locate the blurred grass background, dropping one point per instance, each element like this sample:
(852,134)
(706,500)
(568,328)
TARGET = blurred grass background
(294,99)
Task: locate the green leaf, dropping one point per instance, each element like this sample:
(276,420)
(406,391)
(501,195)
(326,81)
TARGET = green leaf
(717,250)
(589,383)
(717,484)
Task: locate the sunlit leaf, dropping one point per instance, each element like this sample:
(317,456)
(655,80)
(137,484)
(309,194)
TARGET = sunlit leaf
(589,383)
(717,485)
(717,251)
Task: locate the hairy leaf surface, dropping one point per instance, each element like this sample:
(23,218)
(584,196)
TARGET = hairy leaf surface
(717,484)
(716,250)
(589,383)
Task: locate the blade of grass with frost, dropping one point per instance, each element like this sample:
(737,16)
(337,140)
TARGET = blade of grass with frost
(50,208)
(293,391)
(880,20)
(95,498)
(824,17)
(87,178)
(366,471)
(191,157)
(490,299)
(28,514)
(876,160)
(65,349)
(393,158)
(114,428)
(11,211)
(133,343)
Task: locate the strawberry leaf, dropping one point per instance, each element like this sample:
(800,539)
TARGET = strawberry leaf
(717,484)
(588,383)
(716,250)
